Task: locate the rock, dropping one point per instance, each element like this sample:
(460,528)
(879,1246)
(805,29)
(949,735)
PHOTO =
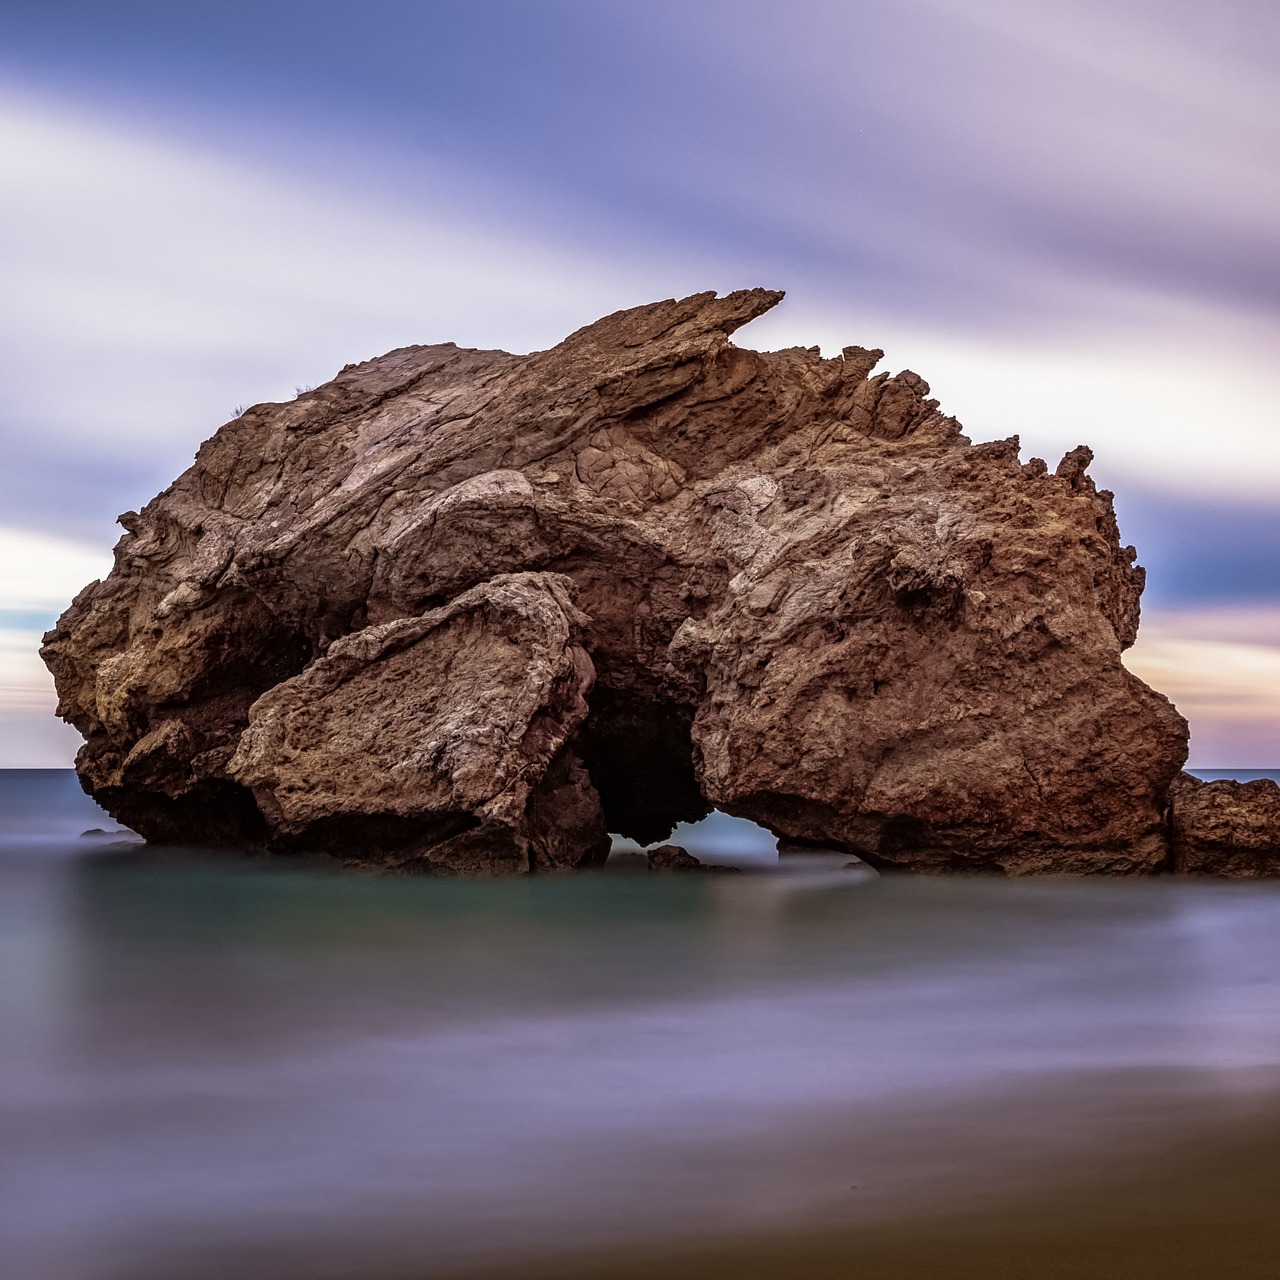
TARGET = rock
(628,862)
(469,769)
(464,611)
(671,857)
(120,838)
(1225,828)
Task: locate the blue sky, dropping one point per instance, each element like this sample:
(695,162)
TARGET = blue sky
(1064,214)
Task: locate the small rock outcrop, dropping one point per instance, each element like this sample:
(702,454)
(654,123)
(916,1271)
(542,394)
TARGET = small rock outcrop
(671,857)
(465,612)
(1225,828)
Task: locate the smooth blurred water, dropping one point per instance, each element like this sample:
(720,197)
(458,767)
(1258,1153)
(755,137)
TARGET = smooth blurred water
(1237,775)
(229,1066)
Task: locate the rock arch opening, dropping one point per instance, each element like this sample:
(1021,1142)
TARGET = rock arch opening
(639,755)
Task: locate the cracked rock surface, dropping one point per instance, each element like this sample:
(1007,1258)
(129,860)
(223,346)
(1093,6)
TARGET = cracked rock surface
(465,611)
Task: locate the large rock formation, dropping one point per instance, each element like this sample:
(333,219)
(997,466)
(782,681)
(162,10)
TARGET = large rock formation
(464,610)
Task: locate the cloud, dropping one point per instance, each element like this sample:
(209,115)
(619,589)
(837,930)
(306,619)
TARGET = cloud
(1221,668)
(999,166)
(1193,415)
(39,573)
(31,736)
(1211,550)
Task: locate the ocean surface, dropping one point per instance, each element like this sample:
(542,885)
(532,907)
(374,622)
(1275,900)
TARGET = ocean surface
(228,1066)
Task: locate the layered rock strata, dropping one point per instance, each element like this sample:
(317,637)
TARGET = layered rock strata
(467,611)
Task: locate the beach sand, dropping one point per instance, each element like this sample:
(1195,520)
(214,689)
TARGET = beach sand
(1206,1207)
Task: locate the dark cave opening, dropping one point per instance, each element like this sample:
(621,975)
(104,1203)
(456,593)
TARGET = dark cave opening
(639,755)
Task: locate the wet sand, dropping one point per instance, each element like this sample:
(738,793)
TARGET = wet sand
(1203,1207)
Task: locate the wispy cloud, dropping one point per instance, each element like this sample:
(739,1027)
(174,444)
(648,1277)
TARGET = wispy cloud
(39,575)
(1221,667)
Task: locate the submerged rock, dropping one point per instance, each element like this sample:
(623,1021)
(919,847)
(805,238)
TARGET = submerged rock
(1225,828)
(467,611)
(671,857)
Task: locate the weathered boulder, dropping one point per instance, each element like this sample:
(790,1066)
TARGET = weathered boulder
(453,730)
(1225,828)
(465,610)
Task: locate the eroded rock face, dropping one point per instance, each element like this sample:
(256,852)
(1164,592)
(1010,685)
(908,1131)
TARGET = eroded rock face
(464,610)
(1225,828)
(470,772)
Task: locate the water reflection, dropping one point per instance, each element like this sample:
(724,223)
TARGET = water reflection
(218,1067)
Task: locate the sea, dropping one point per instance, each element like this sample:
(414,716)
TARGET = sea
(232,1066)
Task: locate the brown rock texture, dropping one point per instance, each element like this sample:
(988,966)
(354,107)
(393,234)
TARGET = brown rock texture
(1225,828)
(465,611)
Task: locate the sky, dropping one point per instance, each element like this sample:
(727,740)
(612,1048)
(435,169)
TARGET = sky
(1065,214)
